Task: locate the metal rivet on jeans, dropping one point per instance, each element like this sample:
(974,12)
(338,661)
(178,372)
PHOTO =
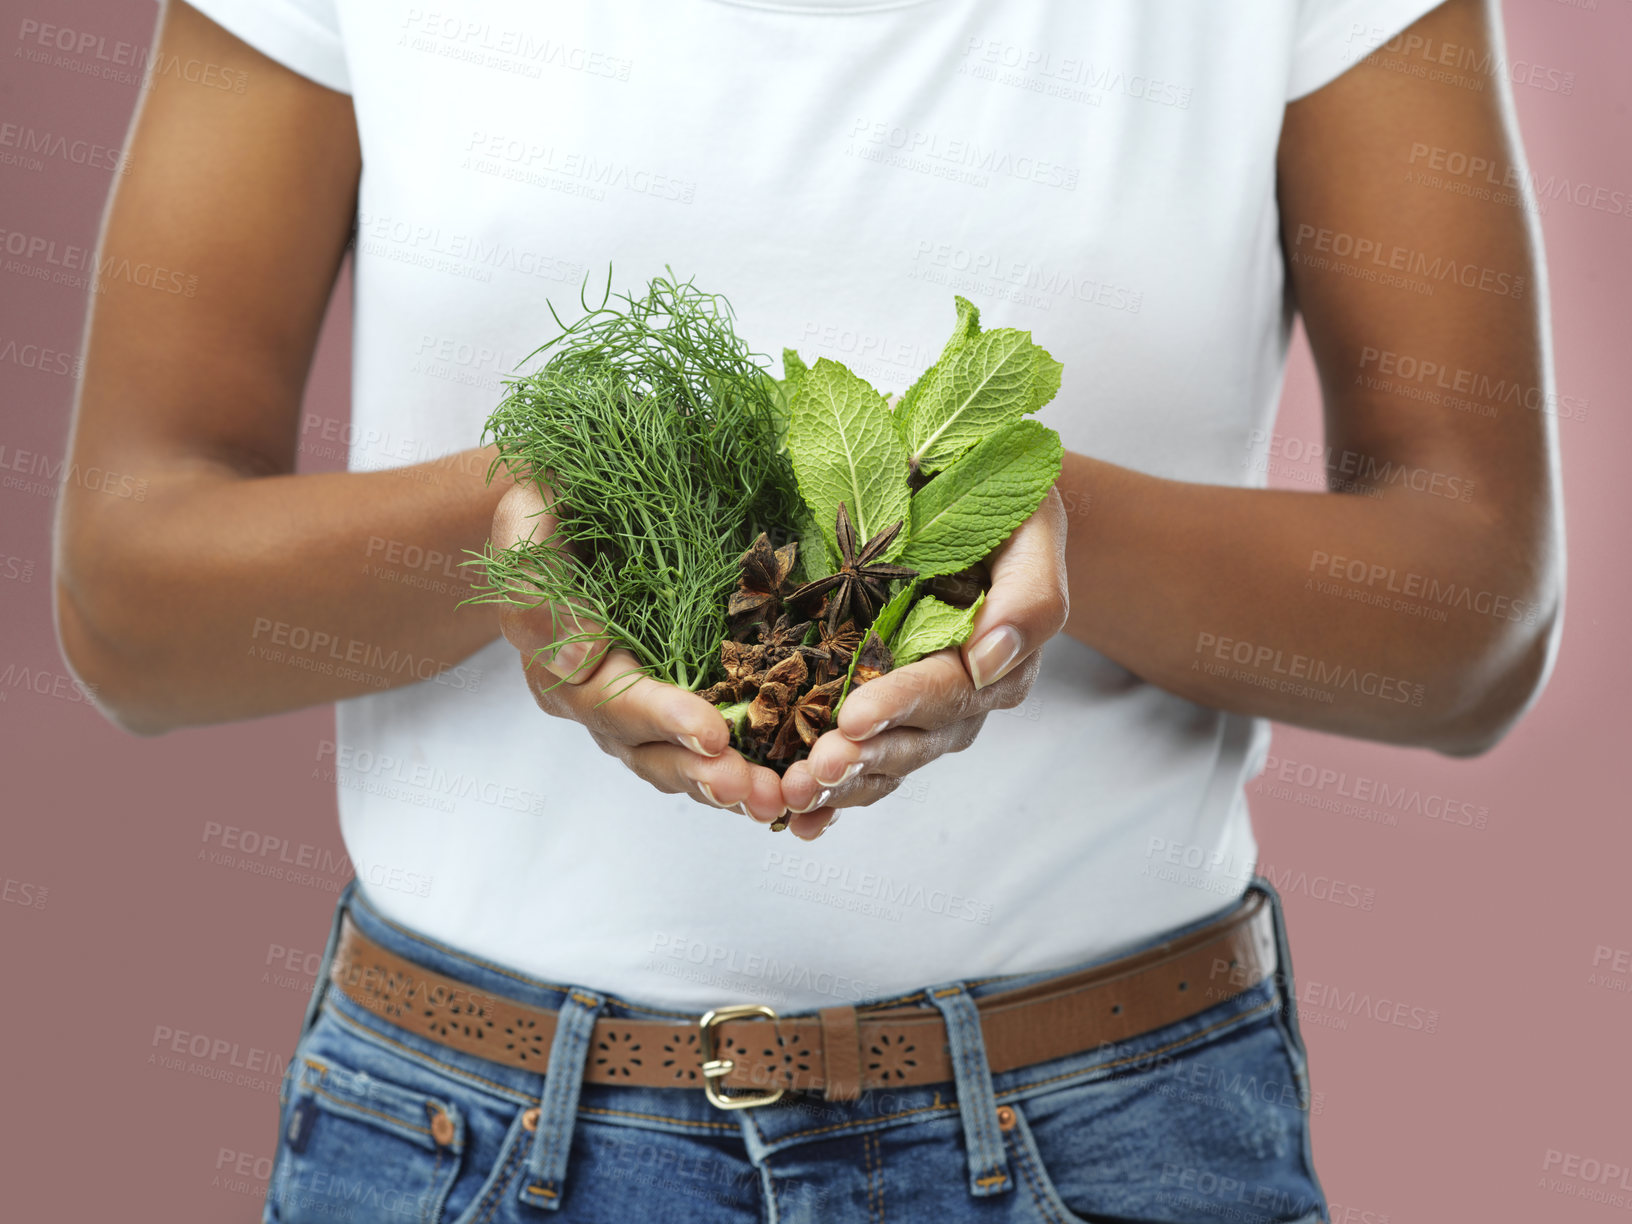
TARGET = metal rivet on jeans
(441,1128)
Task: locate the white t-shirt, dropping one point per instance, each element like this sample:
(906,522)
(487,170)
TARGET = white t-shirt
(1102,174)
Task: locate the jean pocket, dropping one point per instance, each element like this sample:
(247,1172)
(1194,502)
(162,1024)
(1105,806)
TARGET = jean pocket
(359,1148)
(1201,1132)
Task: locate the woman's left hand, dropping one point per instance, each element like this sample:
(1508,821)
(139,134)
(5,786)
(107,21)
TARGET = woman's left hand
(906,718)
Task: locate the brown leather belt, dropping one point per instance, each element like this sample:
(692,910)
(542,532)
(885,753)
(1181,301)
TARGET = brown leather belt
(754,1055)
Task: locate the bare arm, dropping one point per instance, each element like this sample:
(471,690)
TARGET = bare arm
(234,588)
(1322,609)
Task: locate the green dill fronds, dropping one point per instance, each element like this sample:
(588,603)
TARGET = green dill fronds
(652,431)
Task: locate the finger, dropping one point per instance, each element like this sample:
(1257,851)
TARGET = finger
(566,639)
(934,692)
(864,790)
(521,516)
(811,825)
(563,640)
(1028,602)
(630,708)
(726,781)
(837,764)
(838,768)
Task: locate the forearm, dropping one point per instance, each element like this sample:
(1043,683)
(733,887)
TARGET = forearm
(221,597)
(1381,617)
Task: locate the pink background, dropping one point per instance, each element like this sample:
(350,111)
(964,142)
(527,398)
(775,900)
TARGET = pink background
(122,924)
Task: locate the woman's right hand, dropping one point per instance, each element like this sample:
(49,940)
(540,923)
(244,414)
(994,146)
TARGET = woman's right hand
(671,737)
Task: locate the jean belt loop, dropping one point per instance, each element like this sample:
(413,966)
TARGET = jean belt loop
(547,1161)
(988,1162)
(315,1004)
(1285,987)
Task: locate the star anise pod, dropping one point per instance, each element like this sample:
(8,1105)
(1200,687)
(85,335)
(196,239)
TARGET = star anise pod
(861,585)
(743,665)
(760,586)
(777,688)
(837,645)
(872,661)
(781,639)
(806,719)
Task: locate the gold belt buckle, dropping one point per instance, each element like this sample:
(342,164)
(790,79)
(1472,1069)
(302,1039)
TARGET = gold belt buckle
(717,1068)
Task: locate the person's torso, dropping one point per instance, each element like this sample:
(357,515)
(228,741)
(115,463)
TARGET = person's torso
(1102,175)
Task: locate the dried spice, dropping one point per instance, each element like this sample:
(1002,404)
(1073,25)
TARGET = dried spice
(781,692)
(861,585)
(778,687)
(743,664)
(837,646)
(805,721)
(872,660)
(780,640)
(761,586)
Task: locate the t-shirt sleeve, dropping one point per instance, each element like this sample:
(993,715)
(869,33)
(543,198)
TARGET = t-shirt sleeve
(302,35)
(1333,36)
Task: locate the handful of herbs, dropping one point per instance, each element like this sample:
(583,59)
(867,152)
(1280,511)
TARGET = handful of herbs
(768,543)
(654,436)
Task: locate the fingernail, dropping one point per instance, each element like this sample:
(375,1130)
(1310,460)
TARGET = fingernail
(870,732)
(566,661)
(696,745)
(993,655)
(827,826)
(821,798)
(850,772)
(708,793)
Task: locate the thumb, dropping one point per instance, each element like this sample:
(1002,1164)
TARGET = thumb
(565,638)
(1028,601)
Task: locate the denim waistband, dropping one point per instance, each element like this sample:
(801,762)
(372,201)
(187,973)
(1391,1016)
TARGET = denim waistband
(796,1117)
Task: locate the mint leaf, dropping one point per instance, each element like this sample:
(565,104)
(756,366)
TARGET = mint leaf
(974,505)
(931,626)
(845,449)
(793,368)
(964,330)
(967,328)
(986,382)
(815,558)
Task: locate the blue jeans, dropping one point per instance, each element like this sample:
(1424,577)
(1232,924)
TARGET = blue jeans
(1205,1121)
